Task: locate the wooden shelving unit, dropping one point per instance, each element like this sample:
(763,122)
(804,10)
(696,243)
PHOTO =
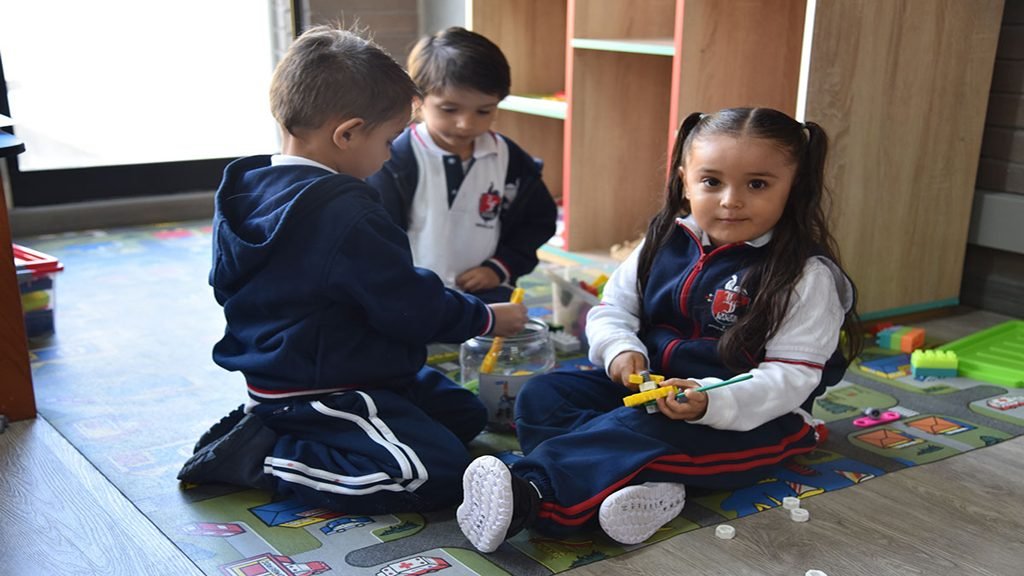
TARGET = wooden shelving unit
(905,131)
(636,68)
(531,33)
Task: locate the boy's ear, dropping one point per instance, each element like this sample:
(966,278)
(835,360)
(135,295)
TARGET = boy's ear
(345,132)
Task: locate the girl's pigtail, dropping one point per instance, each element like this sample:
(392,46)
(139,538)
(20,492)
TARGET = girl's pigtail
(817,150)
(674,204)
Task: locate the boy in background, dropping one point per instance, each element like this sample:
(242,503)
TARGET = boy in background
(327,318)
(471,200)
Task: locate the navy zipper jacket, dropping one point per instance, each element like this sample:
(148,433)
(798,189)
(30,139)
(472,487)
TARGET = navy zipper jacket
(681,280)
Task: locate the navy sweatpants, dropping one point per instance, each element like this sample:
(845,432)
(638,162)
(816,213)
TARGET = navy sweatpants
(581,444)
(375,451)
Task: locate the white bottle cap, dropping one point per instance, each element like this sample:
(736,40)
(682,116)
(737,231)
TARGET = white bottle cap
(725,532)
(815,573)
(790,502)
(799,515)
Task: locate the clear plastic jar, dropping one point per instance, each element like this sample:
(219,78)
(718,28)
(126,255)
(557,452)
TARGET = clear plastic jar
(522,357)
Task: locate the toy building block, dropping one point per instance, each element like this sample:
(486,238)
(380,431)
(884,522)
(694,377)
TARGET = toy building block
(902,338)
(565,343)
(878,327)
(799,515)
(933,363)
(647,382)
(649,396)
(888,366)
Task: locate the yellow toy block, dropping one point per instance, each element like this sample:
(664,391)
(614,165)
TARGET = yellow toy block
(933,359)
(649,396)
(933,364)
(647,382)
(639,379)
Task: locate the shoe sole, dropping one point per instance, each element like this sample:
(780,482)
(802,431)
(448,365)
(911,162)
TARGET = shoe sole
(486,510)
(633,514)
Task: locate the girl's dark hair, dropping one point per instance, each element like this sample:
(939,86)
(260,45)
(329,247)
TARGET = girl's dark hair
(459,58)
(801,232)
(330,73)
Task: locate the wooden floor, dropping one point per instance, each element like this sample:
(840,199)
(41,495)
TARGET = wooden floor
(960,516)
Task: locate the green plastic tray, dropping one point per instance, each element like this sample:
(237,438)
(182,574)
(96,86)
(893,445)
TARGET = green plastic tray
(994,355)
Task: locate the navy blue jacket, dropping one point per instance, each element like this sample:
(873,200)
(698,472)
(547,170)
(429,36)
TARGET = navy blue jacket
(693,284)
(526,223)
(318,286)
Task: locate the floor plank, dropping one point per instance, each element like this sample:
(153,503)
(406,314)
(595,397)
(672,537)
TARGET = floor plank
(59,515)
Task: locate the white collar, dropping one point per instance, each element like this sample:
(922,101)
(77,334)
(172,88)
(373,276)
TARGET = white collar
(484,145)
(289,160)
(705,240)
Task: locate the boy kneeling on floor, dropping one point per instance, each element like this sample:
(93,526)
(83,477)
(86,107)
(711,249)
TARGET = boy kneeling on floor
(327,318)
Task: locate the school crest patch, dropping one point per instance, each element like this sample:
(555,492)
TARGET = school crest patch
(728,301)
(489,205)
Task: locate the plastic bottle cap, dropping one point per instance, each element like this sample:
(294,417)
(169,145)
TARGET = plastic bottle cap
(789,502)
(799,515)
(815,573)
(725,532)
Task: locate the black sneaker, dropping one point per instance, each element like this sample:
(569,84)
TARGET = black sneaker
(496,503)
(236,457)
(220,428)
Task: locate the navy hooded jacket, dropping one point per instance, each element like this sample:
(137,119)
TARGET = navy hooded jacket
(318,286)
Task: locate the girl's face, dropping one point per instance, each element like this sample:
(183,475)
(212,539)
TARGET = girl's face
(737,186)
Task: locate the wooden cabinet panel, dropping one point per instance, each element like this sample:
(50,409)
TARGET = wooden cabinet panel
(740,53)
(17,400)
(901,88)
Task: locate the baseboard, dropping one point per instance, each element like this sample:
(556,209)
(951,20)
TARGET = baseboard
(37,220)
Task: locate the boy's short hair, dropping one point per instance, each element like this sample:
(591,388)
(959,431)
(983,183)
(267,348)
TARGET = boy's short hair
(459,58)
(330,73)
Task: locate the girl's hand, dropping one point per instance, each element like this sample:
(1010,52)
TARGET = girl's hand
(695,406)
(477,279)
(625,364)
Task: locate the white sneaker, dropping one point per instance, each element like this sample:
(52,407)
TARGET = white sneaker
(487,506)
(634,513)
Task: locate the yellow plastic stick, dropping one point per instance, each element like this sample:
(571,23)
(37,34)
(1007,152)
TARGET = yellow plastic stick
(491,359)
